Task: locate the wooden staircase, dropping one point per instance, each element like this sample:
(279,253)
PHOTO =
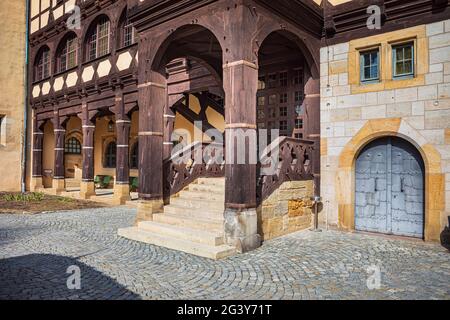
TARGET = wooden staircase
(192,223)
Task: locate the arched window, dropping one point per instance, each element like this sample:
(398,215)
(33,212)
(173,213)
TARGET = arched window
(42,64)
(134,156)
(73,146)
(97,42)
(110,155)
(67,54)
(127,33)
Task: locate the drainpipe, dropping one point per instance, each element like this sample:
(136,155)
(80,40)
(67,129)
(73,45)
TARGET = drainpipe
(25,113)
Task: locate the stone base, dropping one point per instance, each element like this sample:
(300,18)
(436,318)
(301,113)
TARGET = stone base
(58,186)
(241,229)
(36,184)
(147,208)
(121,194)
(87,190)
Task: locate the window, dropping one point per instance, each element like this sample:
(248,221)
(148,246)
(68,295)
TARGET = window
(370,66)
(298,123)
(272,113)
(283,111)
(283,79)
(127,32)
(110,155)
(261,83)
(283,98)
(134,156)
(67,56)
(42,66)
(403,60)
(272,80)
(261,114)
(298,96)
(273,99)
(73,146)
(299,136)
(261,101)
(98,39)
(283,125)
(298,77)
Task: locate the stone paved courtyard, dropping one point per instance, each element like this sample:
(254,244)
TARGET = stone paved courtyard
(36,251)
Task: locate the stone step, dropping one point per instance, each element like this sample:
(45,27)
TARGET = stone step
(203,204)
(212,181)
(206,188)
(201,195)
(183,233)
(211,225)
(194,213)
(198,249)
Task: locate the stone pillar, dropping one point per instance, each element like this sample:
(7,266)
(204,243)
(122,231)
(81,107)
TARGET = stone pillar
(240,84)
(152,100)
(122,183)
(87,186)
(312,123)
(58,184)
(38,139)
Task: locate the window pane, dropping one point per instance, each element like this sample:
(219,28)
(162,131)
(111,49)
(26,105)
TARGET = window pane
(408,52)
(374,72)
(374,58)
(399,54)
(399,68)
(408,67)
(367,73)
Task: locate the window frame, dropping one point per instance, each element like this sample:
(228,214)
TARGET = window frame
(110,158)
(93,39)
(362,66)
(42,67)
(394,47)
(63,52)
(77,145)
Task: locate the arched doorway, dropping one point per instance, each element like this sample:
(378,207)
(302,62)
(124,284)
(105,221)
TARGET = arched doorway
(389,188)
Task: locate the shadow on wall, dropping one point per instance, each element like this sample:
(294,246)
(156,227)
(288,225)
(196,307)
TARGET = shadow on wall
(445,236)
(43,276)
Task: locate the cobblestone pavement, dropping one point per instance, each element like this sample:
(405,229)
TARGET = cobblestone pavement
(36,251)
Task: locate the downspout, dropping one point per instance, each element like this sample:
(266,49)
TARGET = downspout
(25,113)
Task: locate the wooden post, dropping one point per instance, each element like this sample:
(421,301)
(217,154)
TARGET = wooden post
(312,122)
(152,100)
(38,139)
(240,84)
(87,187)
(59,174)
(122,183)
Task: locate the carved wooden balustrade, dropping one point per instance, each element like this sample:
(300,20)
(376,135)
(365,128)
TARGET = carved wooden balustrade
(292,161)
(198,160)
(285,159)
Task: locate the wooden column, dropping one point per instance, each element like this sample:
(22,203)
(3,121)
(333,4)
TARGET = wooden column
(312,122)
(58,185)
(122,183)
(87,187)
(240,84)
(169,122)
(38,140)
(152,100)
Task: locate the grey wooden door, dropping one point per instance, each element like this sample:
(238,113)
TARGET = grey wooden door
(390,188)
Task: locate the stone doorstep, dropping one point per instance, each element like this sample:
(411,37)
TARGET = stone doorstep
(201,195)
(189,221)
(183,233)
(195,248)
(194,213)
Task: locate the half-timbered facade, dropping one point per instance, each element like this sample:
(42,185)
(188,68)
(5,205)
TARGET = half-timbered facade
(143,94)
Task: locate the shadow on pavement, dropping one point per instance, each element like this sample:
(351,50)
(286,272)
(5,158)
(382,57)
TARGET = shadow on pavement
(44,276)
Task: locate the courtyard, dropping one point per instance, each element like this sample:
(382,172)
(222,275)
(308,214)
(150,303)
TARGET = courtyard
(37,251)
